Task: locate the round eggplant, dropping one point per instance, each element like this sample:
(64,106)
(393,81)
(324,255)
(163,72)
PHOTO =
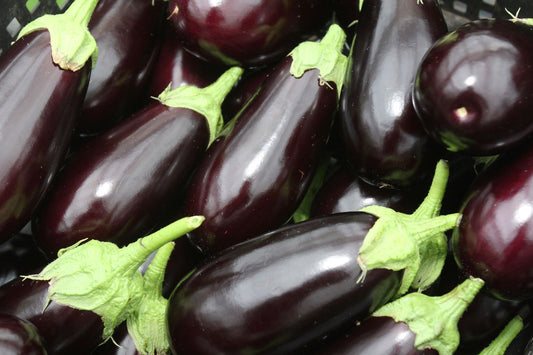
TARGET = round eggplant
(474,88)
(247,33)
(382,136)
(494,239)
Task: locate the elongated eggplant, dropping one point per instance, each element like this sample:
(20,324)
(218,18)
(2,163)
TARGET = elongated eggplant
(178,67)
(18,336)
(254,177)
(292,286)
(249,34)
(493,240)
(382,136)
(128,34)
(414,324)
(126,182)
(42,86)
(474,87)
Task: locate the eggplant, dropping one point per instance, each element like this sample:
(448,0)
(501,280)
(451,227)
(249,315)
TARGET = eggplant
(128,35)
(247,33)
(344,191)
(290,287)
(347,15)
(255,175)
(382,136)
(89,290)
(178,67)
(493,240)
(474,87)
(124,183)
(18,336)
(414,324)
(64,330)
(19,255)
(42,86)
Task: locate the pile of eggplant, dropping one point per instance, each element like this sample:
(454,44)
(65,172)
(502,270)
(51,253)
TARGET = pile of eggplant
(266,177)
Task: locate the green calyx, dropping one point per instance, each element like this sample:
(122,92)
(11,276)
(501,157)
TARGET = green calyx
(515,18)
(433,319)
(71,42)
(103,278)
(414,243)
(206,101)
(146,324)
(500,344)
(326,56)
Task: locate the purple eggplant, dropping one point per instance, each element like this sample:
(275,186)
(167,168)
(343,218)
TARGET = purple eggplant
(246,33)
(255,175)
(128,34)
(414,324)
(494,239)
(474,87)
(129,180)
(347,15)
(19,255)
(18,336)
(63,329)
(382,136)
(178,67)
(42,87)
(294,285)
(344,191)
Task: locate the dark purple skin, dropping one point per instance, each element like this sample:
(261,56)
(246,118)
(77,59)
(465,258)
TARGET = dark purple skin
(494,240)
(19,255)
(39,104)
(344,191)
(382,137)
(347,15)
(177,66)
(252,180)
(247,33)
(125,182)
(474,88)
(64,330)
(18,336)
(376,335)
(279,291)
(127,33)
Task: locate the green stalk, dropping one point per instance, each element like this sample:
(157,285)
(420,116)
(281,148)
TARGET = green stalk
(433,319)
(206,101)
(500,344)
(146,324)
(103,278)
(415,243)
(70,40)
(325,56)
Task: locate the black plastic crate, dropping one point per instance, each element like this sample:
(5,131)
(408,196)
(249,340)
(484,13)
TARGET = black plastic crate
(14,14)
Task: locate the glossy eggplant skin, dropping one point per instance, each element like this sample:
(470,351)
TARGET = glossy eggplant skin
(344,191)
(128,34)
(474,88)
(247,33)
(64,330)
(178,67)
(382,136)
(18,336)
(253,179)
(124,182)
(39,104)
(279,291)
(376,335)
(494,239)
(19,255)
